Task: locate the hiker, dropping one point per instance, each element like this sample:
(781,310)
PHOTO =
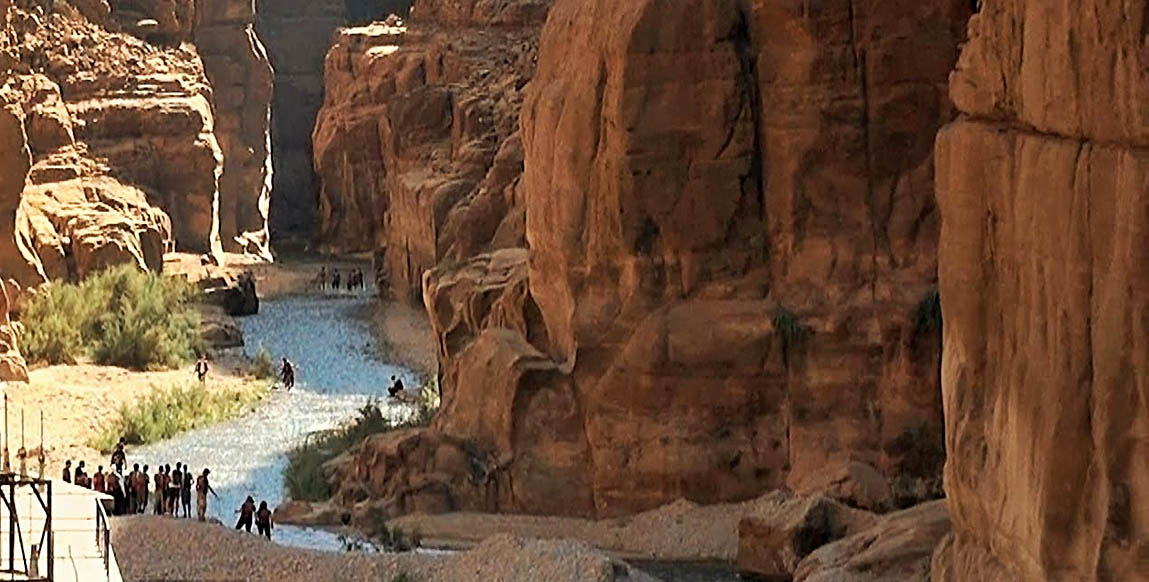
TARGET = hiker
(246,512)
(131,491)
(263,520)
(80,478)
(174,486)
(335,279)
(117,492)
(186,491)
(98,483)
(142,490)
(202,488)
(287,374)
(67,471)
(161,489)
(201,368)
(396,387)
(321,279)
(118,456)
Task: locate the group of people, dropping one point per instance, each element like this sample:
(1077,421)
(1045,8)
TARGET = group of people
(335,281)
(261,517)
(133,493)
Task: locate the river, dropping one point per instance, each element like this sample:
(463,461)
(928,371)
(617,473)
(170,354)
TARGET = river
(328,340)
(337,372)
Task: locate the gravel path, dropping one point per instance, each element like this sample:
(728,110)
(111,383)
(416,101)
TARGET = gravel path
(157,549)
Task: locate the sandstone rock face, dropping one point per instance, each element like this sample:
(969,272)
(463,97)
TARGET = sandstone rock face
(297,34)
(13,368)
(237,66)
(1044,242)
(417,147)
(729,210)
(483,12)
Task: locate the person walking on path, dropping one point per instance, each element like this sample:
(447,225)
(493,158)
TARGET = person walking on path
(202,488)
(67,471)
(246,513)
(287,374)
(201,368)
(263,520)
(186,491)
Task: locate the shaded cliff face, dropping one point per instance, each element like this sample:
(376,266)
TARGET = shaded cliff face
(115,141)
(1042,265)
(416,145)
(731,231)
(297,34)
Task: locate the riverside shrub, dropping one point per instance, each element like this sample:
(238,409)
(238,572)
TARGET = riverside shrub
(121,317)
(179,408)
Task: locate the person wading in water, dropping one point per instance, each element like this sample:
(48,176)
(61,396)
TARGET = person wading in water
(263,520)
(287,374)
(246,513)
(202,488)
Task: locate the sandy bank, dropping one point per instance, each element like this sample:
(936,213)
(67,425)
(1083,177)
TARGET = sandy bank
(157,548)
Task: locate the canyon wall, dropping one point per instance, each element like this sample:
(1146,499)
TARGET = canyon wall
(115,127)
(1045,239)
(297,34)
(732,240)
(417,143)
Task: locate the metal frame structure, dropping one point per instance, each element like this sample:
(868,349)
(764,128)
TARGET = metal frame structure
(41,489)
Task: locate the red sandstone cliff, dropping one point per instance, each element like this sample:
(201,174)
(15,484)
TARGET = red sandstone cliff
(731,231)
(114,138)
(1043,255)
(416,146)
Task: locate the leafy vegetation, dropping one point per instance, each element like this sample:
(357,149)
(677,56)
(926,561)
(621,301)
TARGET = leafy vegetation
(303,475)
(167,413)
(928,315)
(262,366)
(121,317)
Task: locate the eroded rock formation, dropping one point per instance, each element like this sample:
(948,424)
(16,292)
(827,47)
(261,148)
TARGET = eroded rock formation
(111,134)
(732,236)
(417,147)
(1042,261)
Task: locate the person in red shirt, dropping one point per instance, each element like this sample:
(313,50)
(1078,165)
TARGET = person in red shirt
(98,480)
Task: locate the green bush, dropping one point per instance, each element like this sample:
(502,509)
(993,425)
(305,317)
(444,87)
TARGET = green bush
(167,413)
(303,475)
(120,317)
(262,366)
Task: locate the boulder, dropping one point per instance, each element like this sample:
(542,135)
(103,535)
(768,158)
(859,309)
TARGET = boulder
(785,528)
(221,334)
(13,368)
(235,294)
(853,483)
(898,548)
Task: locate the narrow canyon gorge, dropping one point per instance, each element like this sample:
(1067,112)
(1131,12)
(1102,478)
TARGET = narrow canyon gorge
(881,252)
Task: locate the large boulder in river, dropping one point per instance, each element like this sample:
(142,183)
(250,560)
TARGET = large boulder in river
(236,294)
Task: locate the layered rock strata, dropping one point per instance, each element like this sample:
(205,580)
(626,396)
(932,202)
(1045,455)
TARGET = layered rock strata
(417,147)
(732,235)
(297,34)
(1042,260)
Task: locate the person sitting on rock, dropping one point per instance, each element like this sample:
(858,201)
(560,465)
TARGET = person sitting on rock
(396,387)
(263,520)
(287,374)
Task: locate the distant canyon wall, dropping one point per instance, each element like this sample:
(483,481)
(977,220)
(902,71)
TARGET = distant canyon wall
(125,145)
(730,248)
(1044,244)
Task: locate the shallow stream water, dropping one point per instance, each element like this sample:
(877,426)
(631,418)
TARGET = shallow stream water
(336,374)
